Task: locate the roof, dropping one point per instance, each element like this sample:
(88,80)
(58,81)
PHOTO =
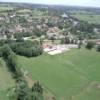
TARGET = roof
(64,15)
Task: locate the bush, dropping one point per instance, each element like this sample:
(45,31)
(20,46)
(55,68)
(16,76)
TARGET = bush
(1,53)
(22,91)
(37,50)
(27,48)
(65,40)
(98,48)
(37,88)
(11,61)
(23,34)
(80,44)
(2,42)
(62,41)
(6,51)
(72,41)
(90,45)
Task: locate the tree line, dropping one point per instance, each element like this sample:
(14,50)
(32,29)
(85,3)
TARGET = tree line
(22,90)
(24,48)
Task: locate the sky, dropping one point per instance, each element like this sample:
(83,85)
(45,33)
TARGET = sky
(89,3)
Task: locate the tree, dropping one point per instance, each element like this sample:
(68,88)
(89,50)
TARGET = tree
(37,88)
(37,91)
(98,48)
(2,42)
(6,51)
(72,41)
(19,37)
(27,48)
(11,61)
(63,41)
(90,45)
(67,40)
(22,91)
(42,39)
(52,39)
(8,36)
(0,52)
(80,44)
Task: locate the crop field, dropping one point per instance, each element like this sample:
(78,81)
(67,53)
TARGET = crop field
(91,18)
(74,75)
(6,81)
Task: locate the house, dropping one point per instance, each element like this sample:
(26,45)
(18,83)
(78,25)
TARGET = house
(18,28)
(64,16)
(2,18)
(96,30)
(75,23)
(53,32)
(12,16)
(3,37)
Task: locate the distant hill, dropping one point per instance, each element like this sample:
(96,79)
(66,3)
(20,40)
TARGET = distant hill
(60,7)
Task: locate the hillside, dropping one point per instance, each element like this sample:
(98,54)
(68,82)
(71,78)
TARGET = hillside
(73,75)
(49,52)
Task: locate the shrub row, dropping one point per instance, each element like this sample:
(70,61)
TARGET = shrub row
(27,48)
(22,91)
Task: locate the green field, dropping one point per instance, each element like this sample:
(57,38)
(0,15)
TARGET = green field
(91,18)
(73,75)
(24,11)
(6,8)
(6,81)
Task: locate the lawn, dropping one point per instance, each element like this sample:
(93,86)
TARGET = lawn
(6,81)
(73,75)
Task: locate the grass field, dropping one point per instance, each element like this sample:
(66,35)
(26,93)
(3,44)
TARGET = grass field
(24,11)
(91,18)
(73,75)
(6,8)
(6,81)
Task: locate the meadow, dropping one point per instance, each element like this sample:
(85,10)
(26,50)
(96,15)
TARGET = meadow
(73,75)
(6,81)
(88,17)
(5,8)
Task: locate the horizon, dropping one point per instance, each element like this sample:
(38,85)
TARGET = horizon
(85,3)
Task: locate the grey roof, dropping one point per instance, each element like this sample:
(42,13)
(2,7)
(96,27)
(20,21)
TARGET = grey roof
(64,15)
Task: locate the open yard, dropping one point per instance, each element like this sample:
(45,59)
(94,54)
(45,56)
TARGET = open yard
(74,75)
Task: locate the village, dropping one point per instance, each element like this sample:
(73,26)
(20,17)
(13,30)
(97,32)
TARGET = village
(54,32)
(49,52)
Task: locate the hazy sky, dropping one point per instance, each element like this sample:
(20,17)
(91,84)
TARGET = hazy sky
(93,3)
